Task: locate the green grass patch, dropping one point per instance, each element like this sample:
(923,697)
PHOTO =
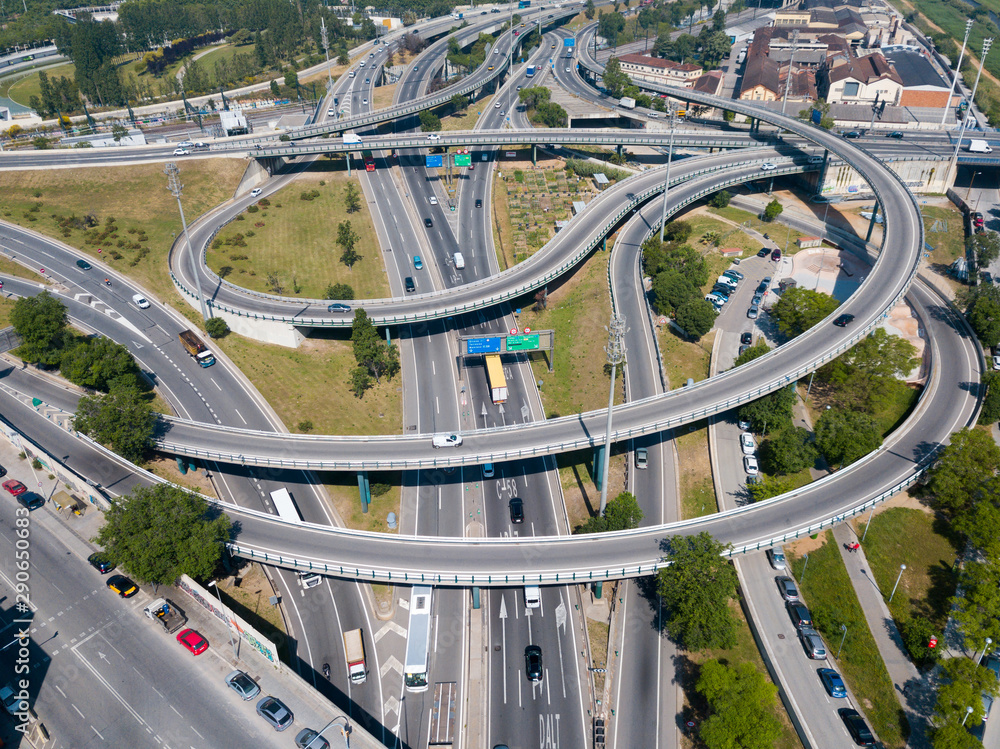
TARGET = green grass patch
(22,89)
(578,310)
(684,359)
(928,548)
(949,240)
(136,196)
(744,651)
(6,305)
(695,479)
(830,596)
(783,236)
(343,490)
(310,384)
(294,241)
(897,404)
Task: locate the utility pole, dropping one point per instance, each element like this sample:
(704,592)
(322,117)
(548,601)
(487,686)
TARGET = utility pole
(791,59)
(666,180)
(616,355)
(958,69)
(175,187)
(987,43)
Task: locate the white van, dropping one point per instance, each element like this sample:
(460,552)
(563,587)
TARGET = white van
(459,261)
(732,283)
(532,596)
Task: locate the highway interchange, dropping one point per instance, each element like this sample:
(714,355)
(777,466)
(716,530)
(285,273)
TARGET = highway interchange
(431,494)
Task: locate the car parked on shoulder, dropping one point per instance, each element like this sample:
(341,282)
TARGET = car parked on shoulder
(121,585)
(786,586)
(856,727)
(192,641)
(832,683)
(812,643)
(747,444)
(243,685)
(799,614)
(310,739)
(761,287)
(275,712)
(14,487)
(776,557)
(752,312)
(101,562)
(30,501)
(746,337)
(11,702)
(734,274)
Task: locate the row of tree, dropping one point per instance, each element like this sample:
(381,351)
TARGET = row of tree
(542,111)
(678,272)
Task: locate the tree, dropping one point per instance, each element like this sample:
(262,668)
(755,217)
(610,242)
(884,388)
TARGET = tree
(41,322)
(799,309)
(429,122)
(370,351)
(621,513)
(976,609)
(754,352)
(771,412)
(991,401)
(610,25)
(962,683)
(953,735)
(769,486)
(843,437)
(917,632)
(695,317)
(671,289)
(275,91)
(291,79)
(984,248)
(589,10)
(788,451)
(122,419)
(958,477)
(119,131)
(352,198)
(720,199)
(459,103)
(347,238)
(865,372)
(96,363)
(549,114)
(697,587)
(772,210)
(160,532)
(614,79)
(741,703)
(983,313)
(339,291)
(216,327)
(716,47)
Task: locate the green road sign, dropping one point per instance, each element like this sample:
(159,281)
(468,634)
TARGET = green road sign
(522,342)
(463,159)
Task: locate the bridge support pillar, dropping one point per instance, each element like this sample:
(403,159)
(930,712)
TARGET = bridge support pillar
(604,244)
(618,150)
(475,597)
(348,154)
(364,489)
(871,224)
(534,154)
(598,469)
(598,589)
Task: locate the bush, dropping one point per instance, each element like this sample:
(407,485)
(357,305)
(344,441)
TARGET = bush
(252,209)
(916,635)
(305,426)
(216,327)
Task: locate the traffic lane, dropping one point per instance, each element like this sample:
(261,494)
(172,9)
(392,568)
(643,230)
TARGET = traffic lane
(103,653)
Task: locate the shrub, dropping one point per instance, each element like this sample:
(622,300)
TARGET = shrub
(216,327)
(252,209)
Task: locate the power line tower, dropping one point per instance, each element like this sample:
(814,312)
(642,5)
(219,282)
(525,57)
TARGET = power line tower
(615,351)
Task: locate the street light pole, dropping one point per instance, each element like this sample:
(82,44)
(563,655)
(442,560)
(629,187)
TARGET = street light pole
(666,180)
(968,712)
(175,187)
(958,69)
(804,568)
(987,43)
(971,180)
(616,355)
(902,568)
(986,649)
(344,729)
(211,584)
(843,628)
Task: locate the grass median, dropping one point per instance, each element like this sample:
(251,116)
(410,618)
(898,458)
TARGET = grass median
(828,592)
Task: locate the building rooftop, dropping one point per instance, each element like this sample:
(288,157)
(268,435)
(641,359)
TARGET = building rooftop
(658,62)
(913,67)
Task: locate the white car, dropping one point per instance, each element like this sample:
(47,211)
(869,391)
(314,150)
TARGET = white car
(497,105)
(496,51)
(331,113)
(434,201)
(750,465)
(364,101)
(309,579)
(747,444)
(996,361)
(185,144)
(255,192)
(140,301)
(768,167)
(433,136)
(446,440)
(181,152)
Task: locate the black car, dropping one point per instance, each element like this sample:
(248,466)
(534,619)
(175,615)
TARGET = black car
(721,288)
(799,614)
(100,562)
(3,471)
(894,134)
(856,726)
(516,510)
(479,203)
(746,338)
(533,662)
(428,223)
(30,501)
(761,287)
(408,284)
(852,134)
(763,252)
(843,321)
(83,265)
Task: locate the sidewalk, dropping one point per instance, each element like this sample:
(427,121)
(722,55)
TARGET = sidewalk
(915,692)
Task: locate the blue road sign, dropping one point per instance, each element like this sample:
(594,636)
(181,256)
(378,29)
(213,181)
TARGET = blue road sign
(484,345)
(434,160)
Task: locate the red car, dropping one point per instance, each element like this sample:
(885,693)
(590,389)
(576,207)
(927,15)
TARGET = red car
(16,488)
(193,641)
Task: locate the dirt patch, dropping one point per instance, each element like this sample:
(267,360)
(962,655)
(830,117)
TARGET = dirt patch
(903,499)
(805,545)
(597,633)
(253,595)
(168,469)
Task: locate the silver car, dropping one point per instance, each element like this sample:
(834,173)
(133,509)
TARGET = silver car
(777,559)
(243,685)
(812,643)
(275,712)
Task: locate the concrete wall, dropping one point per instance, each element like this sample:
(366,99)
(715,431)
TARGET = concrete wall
(928,176)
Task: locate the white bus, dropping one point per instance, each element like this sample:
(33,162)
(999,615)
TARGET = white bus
(418,639)
(284,506)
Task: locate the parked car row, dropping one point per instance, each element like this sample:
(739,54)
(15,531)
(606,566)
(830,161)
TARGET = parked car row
(815,649)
